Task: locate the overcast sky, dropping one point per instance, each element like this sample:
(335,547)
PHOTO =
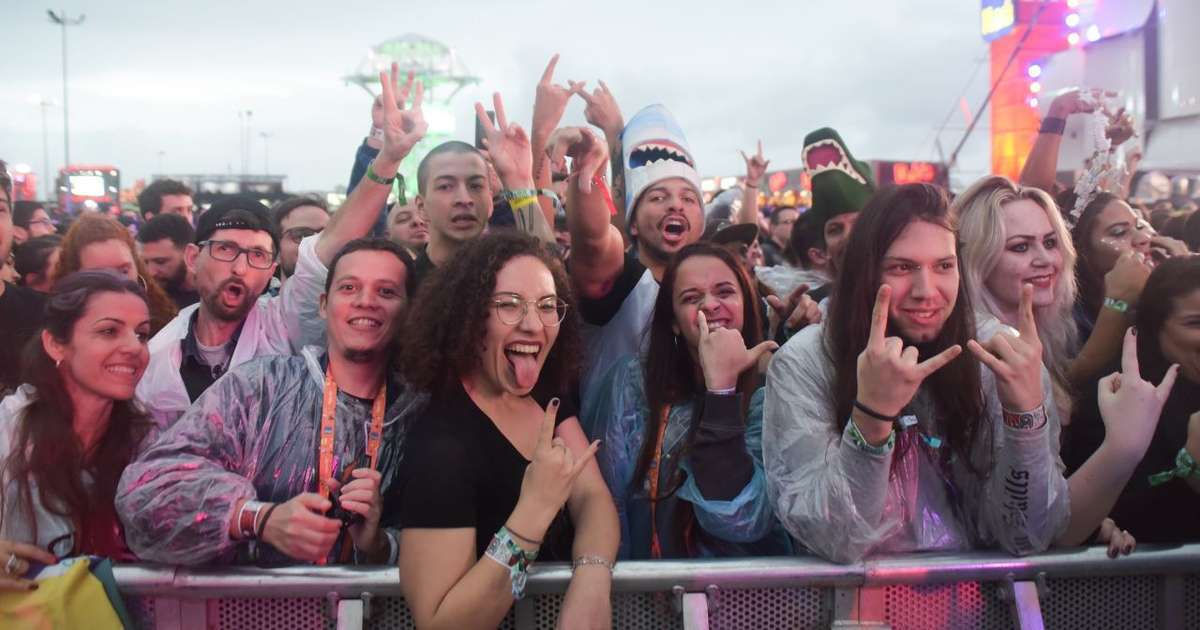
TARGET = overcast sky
(171,76)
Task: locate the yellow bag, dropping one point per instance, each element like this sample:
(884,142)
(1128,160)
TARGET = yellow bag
(75,599)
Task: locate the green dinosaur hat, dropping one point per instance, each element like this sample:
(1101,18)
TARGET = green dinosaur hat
(840,183)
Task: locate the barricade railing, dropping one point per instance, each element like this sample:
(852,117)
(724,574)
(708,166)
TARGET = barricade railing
(1155,587)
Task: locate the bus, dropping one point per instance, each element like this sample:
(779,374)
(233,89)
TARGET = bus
(94,187)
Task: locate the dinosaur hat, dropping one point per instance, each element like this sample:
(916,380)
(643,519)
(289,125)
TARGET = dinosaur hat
(840,183)
(654,149)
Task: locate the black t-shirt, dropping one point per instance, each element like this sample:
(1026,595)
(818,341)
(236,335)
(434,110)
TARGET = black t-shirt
(599,312)
(422,266)
(460,471)
(21,315)
(1168,513)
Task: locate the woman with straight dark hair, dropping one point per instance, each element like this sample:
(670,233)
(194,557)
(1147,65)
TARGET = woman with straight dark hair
(879,437)
(72,427)
(495,474)
(682,426)
(1158,503)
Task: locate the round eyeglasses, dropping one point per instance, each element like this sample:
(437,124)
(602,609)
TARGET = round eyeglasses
(511,309)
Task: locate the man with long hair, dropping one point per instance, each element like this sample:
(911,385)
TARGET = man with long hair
(880,435)
(20,308)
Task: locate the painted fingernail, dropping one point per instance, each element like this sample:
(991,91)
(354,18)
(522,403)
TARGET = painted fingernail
(554,402)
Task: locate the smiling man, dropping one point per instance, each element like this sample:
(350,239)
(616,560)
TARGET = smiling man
(275,410)
(232,261)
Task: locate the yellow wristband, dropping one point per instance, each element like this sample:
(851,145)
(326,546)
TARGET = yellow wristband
(523,202)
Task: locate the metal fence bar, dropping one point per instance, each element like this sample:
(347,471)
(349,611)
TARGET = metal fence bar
(695,611)
(1025,606)
(349,614)
(1171,602)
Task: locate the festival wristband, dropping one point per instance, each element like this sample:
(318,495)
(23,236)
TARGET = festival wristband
(520,193)
(505,551)
(523,202)
(583,561)
(1054,126)
(1034,419)
(262,525)
(1120,306)
(376,133)
(527,539)
(248,516)
(546,192)
(875,414)
(373,176)
(1185,467)
(857,439)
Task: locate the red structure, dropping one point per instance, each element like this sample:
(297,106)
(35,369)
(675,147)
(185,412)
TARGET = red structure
(1034,29)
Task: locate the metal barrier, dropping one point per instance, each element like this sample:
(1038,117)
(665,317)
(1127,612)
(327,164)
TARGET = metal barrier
(1075,588)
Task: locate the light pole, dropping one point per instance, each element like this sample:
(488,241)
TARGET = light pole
(246,117)
(266,137)
(162,160)
(63,20)
(44,104)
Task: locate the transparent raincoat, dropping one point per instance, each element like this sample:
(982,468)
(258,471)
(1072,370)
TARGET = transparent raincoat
(742,526)
(252,435)
(842,501)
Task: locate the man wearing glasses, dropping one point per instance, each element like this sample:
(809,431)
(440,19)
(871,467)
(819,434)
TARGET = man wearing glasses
(295,219)
(30,221)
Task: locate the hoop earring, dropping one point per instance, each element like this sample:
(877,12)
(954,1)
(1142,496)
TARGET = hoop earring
(142,282)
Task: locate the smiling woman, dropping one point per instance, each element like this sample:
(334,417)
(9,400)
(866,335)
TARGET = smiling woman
(492,468)
(71,429)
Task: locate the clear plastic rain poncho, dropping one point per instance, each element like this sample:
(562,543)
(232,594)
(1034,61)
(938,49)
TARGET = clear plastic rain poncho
(842,501)
(252,435)
(742,526)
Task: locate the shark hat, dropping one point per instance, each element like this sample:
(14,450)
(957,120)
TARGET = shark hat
(840,183)
(654,149)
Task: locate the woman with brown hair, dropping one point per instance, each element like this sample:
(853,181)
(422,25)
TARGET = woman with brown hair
(682,426)
(95,241)
(72,427)
(490,464)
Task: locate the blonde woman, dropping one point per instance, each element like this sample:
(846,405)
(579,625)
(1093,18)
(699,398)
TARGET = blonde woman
(1013,236)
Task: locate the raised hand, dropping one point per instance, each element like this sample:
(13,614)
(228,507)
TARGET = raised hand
(798,311)
(756,166)
(1016,361)
(589,156)
(1129,405)
(889,373)
(361,496)
(549,477)
(1120,127)
(1127,277)
(508,147)
(551,100)
(15,559)
(724,356)
(402,128)
(602,110)
(1073,102)
(298,528)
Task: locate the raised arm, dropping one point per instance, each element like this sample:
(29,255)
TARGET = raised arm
(597,248)
(549,105)
(756,167)
(512,156)
(603,112)
(402,129)
(1041,167)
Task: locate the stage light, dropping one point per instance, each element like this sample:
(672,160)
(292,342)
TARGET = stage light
(1073,39)
(1035,87)
(1071,4)
(1093,33)
(1034,71)
(1072,20)
(1033,102)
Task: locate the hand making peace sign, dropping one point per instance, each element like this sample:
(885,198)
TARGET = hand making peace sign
(402,128)
(1015,360)
(508,147)
(889,373)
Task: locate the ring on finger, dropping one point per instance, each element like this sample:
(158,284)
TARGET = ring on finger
(10,567)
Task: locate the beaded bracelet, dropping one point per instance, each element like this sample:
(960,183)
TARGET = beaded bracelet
(592,560)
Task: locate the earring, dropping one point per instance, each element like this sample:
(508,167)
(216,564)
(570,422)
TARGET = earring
(57,363)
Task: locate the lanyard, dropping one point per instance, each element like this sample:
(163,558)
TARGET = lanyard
(652,473)
(329,421)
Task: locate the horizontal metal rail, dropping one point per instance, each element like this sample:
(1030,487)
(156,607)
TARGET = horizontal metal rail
(144,580)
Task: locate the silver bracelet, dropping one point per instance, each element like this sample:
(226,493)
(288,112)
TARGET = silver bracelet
(586,560)
(728,391)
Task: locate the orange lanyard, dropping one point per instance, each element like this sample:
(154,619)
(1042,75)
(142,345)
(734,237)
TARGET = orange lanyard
(328,423)
(655,547)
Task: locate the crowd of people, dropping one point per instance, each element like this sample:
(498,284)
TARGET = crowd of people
(539,357)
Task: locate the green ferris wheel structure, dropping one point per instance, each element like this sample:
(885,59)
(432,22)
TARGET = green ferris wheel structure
(438,67)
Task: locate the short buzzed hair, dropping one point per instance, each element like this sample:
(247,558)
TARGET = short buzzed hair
(452,146)
(170,226)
